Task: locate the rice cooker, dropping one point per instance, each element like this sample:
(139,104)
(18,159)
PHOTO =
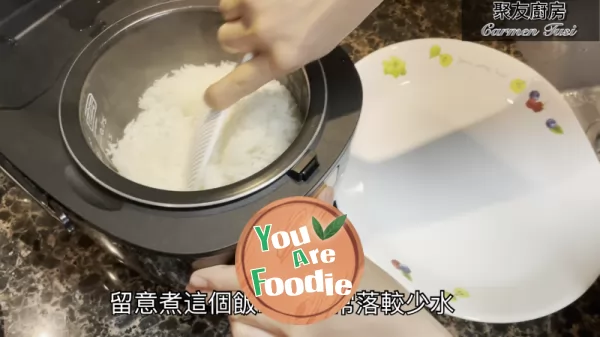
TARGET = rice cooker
(55,144)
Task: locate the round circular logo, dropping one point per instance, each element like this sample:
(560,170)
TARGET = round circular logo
(299,260)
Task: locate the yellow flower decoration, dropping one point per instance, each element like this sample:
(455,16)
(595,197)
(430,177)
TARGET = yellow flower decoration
(446,60)
(517,85)
(394,67)
(435,51)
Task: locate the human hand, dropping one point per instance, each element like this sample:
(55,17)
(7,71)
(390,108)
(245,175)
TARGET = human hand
(283,35)
(224,278)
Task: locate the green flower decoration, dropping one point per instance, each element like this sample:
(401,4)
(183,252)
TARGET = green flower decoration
(407,275)
(394,67)
(435,51)
(447,294)
(446,60)
(554,127)
(462,293)
(458,293)
(558,130)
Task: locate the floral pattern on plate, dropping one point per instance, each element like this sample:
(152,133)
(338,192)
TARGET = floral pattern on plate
(534,102)
(554,127)
(444,59)
(517,85)
(394,67)
(457,293)
(402,268)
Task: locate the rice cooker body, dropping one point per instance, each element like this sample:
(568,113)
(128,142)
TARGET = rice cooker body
(208,231)
(97,195)
(99,97)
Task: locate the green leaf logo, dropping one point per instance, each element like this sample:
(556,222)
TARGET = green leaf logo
(331,229)
(318,229)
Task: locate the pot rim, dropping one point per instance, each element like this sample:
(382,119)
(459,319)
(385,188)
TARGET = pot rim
(71,129)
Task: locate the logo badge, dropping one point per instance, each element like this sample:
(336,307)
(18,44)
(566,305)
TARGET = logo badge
(299,260)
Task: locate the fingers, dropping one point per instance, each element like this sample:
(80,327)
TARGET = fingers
(231,9)
(234,37)
(224,278)
(242,81)
(260,321)
(219,278)
(252,326)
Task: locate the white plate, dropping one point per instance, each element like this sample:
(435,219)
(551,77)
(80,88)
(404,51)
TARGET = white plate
(454,176)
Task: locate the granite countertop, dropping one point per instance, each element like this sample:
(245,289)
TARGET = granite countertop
(56,284)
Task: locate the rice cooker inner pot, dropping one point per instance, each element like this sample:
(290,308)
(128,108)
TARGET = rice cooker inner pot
(100,95)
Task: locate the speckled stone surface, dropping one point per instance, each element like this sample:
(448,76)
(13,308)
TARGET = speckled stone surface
(400,20)
(56,284)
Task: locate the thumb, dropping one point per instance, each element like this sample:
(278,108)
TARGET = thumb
(224,278)
(241,82)
(219,278)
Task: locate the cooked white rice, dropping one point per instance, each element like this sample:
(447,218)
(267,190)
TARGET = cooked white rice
(155,148)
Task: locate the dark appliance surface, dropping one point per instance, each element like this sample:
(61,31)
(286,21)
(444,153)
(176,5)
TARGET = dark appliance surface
(37,47)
